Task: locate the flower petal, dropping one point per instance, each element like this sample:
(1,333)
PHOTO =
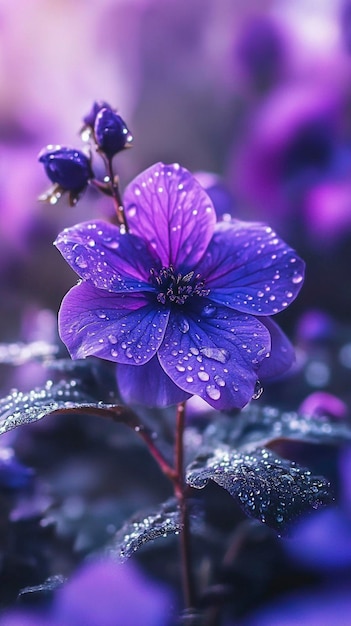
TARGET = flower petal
(100,253)
(282,354)
(215,352)
(248,268)
(148,385)
(166,206)
(121,328)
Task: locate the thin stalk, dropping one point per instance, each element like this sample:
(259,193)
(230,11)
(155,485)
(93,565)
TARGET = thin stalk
(116,195)
(180,492)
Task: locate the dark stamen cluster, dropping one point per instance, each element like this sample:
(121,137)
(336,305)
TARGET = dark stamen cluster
(175,288)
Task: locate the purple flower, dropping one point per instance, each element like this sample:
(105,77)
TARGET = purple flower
(182,304)
(260,50)
(67,167)
(325,607)
(102,594)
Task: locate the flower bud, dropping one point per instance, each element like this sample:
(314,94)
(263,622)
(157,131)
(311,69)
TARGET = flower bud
(67,167)
(111,132)
(89,119)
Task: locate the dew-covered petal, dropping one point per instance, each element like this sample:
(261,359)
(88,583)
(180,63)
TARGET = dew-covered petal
(121,328)
(148,385)
(166,206)
(282,354)
(248,268)
(215,353)
(111,260)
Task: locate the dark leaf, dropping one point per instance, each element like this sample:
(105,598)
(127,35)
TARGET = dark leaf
(260,426)
(267,487)
(46,588)
(20,408)
(145,527)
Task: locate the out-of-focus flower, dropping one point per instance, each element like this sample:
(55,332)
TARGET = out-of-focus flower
(323,608)
(218,191)
(293,143)
(260,50)
(294,162)
(323,403)
(186,301)
(102,593)
(111,132)
(13,475)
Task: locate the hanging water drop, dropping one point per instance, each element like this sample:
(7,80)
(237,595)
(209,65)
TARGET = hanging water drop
(258,391)
(183,325)
(213,392)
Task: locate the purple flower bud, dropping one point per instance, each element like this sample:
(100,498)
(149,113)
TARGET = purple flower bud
(67,167)
(111,132)
(89,119)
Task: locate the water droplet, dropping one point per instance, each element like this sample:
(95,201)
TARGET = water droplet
(113,244)
(209,310)
(112,338)
(81,262)
(180,368)
(258,390)
(189,379)
(132,209)
(217,354)
(203,376)
(297,279)
(183,325)
(101,315)
(219,380)
(213,392)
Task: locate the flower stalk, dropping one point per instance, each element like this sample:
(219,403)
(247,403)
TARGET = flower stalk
(180,492)
(116,196)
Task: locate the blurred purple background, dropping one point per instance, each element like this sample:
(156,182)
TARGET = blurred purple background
(256,93)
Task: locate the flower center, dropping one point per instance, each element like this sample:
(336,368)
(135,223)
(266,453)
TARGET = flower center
(175,288)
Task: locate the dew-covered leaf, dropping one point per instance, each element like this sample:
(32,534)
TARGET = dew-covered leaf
(260,426)
(50,585)
(144,527)
(20,408)
(267,487)
(20,353)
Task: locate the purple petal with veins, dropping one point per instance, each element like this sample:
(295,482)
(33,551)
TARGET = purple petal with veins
(248,268)
(99,252)
(170,210)
(215,353)
(121,328)
(149,385)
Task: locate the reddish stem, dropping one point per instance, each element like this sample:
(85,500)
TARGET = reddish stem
(116,195)
(180,492)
